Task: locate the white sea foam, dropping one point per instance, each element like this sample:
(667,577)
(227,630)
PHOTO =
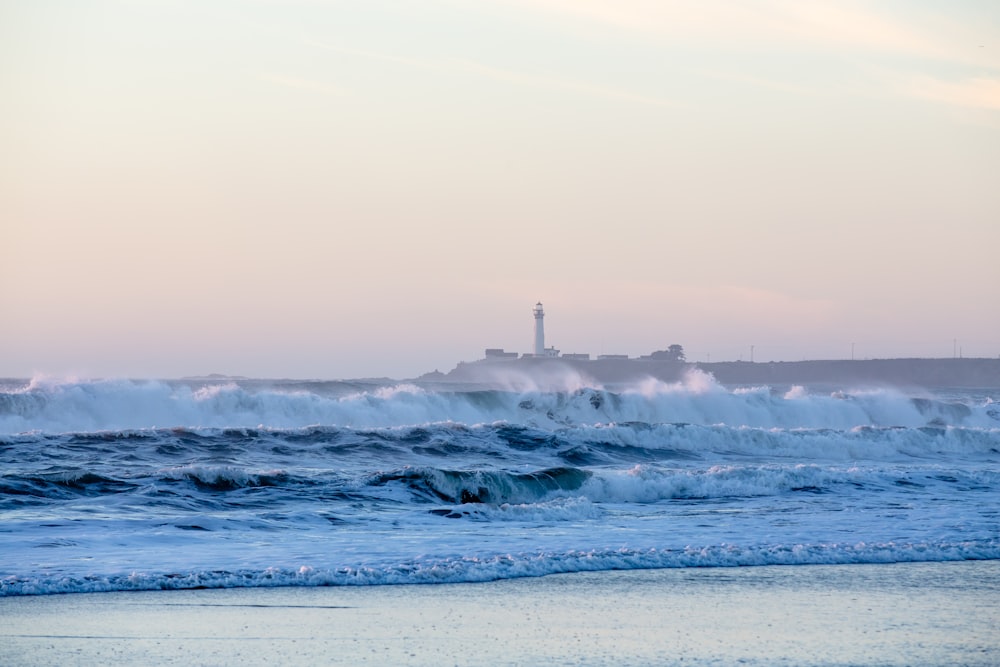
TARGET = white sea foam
(79,406)
(508,566)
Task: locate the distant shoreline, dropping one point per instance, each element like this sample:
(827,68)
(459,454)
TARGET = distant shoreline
(927,373)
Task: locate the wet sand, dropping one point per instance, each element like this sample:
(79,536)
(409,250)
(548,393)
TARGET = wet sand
(895,614)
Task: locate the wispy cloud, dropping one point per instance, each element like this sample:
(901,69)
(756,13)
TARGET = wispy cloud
(515,77)
(305,84)
(780,86)
(974,93)
(855,24)
(920,42)
(541,81)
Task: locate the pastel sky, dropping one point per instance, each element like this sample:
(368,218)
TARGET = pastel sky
(327,189)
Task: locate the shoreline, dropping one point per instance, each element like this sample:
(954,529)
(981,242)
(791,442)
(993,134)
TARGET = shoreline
(891,614)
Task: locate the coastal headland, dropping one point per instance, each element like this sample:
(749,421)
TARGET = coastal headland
(927,373)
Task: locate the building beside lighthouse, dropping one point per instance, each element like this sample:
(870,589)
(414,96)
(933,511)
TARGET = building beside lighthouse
(674,353)
(539,351)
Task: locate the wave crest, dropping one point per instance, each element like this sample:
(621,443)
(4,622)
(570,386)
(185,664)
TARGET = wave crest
(118,405)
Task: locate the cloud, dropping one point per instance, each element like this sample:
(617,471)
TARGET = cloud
(541,81)
(851,24)
(973,93)
(304,84)
(519,78)
(780,86)
(915,45)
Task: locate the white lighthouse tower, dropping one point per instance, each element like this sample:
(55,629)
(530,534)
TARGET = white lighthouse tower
(539,329)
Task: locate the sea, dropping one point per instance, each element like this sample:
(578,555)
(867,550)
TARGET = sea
(217,482)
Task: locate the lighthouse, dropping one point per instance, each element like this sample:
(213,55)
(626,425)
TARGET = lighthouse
(539,329)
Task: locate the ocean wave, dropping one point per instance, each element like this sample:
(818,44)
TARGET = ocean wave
(649,484)
(61,485)
(122,405)
(509,566)
(133,455)
(646,484)
(294,499)
(483,486)
(228,478)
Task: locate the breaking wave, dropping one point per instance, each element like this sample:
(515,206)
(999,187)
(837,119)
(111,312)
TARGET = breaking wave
(118,405)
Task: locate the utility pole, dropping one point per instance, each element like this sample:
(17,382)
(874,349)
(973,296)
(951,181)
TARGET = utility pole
(751,354)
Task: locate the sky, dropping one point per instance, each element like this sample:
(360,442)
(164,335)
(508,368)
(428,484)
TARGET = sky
(336,189)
